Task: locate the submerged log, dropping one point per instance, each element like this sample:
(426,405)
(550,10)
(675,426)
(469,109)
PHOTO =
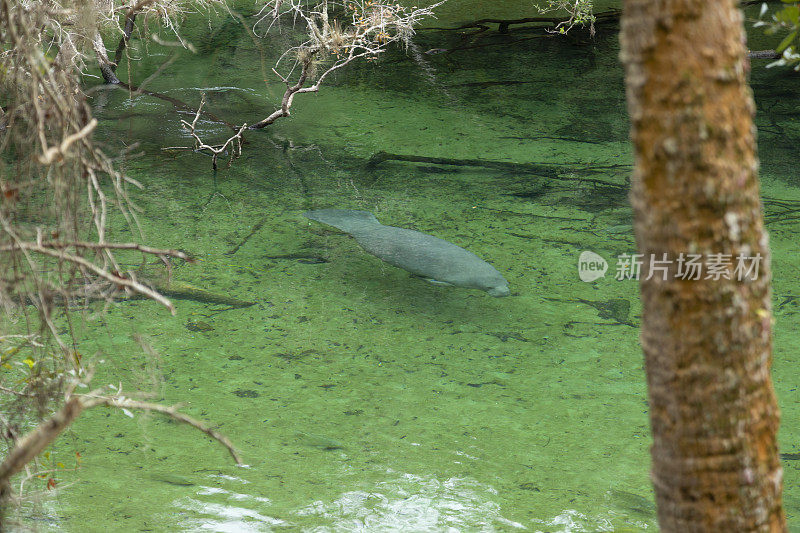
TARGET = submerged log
(185,291)
(528,168)
(559,172)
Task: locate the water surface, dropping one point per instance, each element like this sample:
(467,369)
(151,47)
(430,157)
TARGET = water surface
(360,398)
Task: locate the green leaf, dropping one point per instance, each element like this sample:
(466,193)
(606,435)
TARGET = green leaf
(788,15)
(786,42)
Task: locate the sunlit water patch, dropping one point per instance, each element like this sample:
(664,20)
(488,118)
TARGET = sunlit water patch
(407,503)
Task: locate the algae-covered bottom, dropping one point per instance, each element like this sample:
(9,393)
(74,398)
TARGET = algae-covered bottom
(363,399)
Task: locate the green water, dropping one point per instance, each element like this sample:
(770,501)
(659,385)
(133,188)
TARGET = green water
(360,398)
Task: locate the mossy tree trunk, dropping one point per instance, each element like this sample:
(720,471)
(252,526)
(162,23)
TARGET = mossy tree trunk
(707,341)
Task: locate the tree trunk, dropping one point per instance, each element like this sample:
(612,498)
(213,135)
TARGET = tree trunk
(707,341)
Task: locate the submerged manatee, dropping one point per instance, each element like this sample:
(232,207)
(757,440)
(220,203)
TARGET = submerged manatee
(424,255)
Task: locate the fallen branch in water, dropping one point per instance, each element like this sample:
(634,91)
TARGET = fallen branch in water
(141,287)
(179,104)
(199,145)
(130,19)
(504,24)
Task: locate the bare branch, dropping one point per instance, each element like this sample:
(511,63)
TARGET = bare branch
(107,68)
(127,30)
(16,392)
(54,152)
(116,279)
(372,27)
(235,141)
(172,412)
(34,442)
(57,192)
(107,245)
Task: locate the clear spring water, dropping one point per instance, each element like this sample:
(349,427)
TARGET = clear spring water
(360,398)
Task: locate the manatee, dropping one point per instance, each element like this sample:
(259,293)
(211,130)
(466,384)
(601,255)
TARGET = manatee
(423,255)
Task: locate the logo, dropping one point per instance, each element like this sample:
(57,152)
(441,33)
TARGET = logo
(711,266)
(591,266)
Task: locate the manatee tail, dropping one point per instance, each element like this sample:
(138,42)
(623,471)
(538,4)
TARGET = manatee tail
(346,220)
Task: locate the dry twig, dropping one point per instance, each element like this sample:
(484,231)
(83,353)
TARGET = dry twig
(332,44)
(57,194)
(33,443)
(235,142)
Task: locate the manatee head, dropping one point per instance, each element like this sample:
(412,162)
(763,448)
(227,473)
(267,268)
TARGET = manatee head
(499,291)
(493,283)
